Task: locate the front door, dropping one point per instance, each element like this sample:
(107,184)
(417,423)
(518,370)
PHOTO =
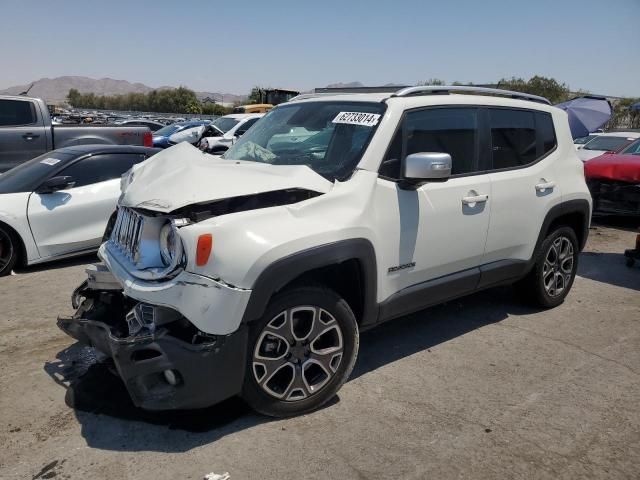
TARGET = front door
(438,231)
(75,219)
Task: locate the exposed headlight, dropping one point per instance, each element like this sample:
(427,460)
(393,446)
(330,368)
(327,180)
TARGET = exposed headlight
(168,243)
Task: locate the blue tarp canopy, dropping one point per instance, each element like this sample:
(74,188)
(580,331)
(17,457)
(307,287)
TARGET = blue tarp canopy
(586,114)
(635,106)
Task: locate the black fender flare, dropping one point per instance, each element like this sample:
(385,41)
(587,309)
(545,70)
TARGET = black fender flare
(579,206)
(284,270)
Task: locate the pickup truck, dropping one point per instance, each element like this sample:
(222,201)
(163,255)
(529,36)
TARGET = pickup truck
(26,132)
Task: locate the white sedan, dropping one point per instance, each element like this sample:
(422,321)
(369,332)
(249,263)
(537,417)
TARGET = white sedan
(605,142)
(58,204)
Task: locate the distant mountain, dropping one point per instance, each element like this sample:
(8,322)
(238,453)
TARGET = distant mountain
(55,90)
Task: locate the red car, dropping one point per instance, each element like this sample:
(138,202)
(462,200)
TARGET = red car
(614,181)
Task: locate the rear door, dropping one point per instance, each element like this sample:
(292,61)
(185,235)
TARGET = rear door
(524,183)
(22,135)
(75,219)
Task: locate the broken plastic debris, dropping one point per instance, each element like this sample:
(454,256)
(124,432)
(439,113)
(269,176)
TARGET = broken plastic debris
(217,476)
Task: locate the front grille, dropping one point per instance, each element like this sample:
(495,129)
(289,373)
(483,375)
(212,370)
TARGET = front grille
(127,232)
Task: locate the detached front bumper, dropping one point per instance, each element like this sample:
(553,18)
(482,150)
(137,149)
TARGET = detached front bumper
(211,305)
(168,367)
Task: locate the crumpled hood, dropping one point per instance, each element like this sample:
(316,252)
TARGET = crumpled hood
(183,175)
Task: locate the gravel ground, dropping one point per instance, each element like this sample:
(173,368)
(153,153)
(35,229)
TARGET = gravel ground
(478,388)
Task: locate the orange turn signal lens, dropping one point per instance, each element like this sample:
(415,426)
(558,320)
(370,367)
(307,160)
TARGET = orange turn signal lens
(203,250)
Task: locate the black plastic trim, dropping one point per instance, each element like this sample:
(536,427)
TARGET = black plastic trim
(580,206)
(207,373)
(502,272)
(283,271)
(429,293)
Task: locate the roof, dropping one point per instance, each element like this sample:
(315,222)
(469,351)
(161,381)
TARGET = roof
(419,101)
(430,92)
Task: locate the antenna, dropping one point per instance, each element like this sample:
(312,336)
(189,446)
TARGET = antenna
(26,92)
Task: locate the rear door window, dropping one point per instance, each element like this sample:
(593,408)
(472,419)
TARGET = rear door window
(519,137)
(15,113)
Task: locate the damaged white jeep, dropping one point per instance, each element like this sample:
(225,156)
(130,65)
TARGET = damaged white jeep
(253,273)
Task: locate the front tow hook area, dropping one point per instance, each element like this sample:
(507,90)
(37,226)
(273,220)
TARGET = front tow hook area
(163,360)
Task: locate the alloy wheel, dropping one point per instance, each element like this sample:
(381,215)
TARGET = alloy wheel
(558,266)
(298,353)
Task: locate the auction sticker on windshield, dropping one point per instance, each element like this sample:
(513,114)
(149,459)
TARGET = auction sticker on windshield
(50,161)
(357,118)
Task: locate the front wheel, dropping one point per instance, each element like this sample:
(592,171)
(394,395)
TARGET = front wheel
(300,352)
(554,271)
(8,251)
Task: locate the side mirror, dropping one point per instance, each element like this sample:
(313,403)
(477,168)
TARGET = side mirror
(422,167)
(56,183)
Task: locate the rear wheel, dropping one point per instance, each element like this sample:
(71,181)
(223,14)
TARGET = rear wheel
(300,352)
(9,250)
(553,274)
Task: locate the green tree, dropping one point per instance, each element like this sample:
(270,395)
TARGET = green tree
(546,87)
(176,100)
(432,81)
(73,97)
(255,96)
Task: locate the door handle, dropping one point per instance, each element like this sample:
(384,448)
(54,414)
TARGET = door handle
(29,136)
(475,199)
(541,187)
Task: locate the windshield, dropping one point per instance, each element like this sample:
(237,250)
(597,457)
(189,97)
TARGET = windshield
(328,137)
(168,130)
(633,149)
(225,123)
(606,143)
(583,140)
(27,176)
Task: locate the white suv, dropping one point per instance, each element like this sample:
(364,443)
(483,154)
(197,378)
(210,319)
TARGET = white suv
(253,273)
(224,131)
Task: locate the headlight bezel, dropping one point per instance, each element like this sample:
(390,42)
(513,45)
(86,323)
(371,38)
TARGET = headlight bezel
(167,243)
(170,243)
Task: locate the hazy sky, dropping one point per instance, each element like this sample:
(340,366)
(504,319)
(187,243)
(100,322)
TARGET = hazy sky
(233,45)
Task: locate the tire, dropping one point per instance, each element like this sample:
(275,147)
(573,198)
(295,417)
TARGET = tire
(300,352)
(9,250)
(554,270)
